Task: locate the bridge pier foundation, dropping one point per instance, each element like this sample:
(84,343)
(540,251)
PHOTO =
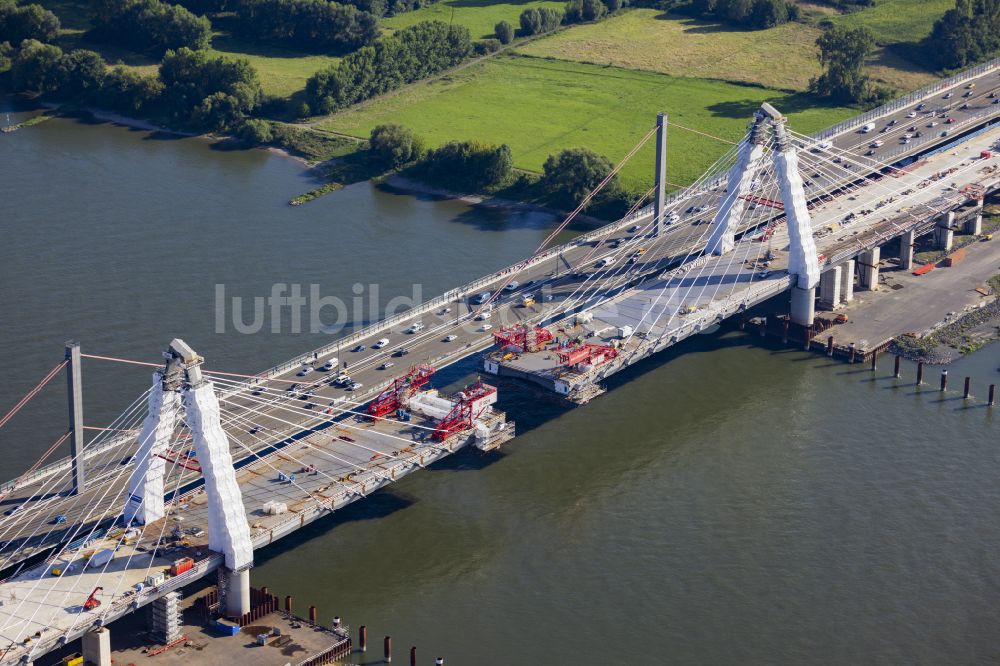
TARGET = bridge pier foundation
(97,647)
(829,288)
(803,310)
(906,243)
(974,225)
(868,265)
(237,593)
(847,281)
(944,234)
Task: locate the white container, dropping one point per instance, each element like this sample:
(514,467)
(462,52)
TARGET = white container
(624,331)
(100,558)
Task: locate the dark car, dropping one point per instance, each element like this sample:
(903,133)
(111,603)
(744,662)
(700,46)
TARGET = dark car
(359,348)
(401,352)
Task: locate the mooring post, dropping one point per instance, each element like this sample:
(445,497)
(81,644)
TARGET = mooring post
(874,360)
(363,638)
(288,603)
(829,346)
(968,388)
(920,373)
(851,348)
(944,380)
(993,391)
(312,615)
(784,332)
(413,655)
(895,371)
(387,645)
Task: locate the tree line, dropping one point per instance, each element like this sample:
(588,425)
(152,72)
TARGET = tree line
(192,89)
(408,55)
(311,25)
(966,34)
(540,20)
(757,14)
(20,22)
(149,26)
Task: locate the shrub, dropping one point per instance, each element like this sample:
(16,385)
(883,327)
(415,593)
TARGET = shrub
(255,132)
(486,46)
(394,145)
(150,25)
(469,165)
(575,172)
(18,23)
(504,32)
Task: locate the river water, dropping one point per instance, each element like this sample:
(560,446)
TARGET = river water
(723,503)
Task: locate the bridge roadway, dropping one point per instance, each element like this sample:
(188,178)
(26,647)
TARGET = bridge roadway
(396,449)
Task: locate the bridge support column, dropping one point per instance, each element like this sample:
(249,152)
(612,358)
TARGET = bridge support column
(868,266)
(906,243)
(847,281)
(803,311)
(237,593)
(659,201)
(974,225)
(74,387)
(944,234)
(97,647)
(829,288)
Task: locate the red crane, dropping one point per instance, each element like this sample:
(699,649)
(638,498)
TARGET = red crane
(465,411)
(593,354)
(92,601)
(403,387)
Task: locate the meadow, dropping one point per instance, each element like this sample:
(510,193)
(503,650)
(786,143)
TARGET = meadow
(479,16)
(539,107)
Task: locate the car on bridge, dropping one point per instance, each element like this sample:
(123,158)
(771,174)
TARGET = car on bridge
(330,363)
(386,365)
(359,348)
(306,369)
(449,338)
(382,342)
(415,327)
(512,286)
(401,352)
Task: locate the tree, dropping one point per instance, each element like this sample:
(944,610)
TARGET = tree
(6,56)
(35,68)
(531,21)
(395,145)
(768,13)
(575,172)
(505,32)
(18,23)
(966,34)
(843,51)
(206,92)
(81,74)
(469,165)
(309,25)
(150,25)
(126,91)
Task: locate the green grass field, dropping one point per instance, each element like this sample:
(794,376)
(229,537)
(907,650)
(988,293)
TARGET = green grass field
(282,72)
(647,39)
(539,107)
(895,21)
(479,16)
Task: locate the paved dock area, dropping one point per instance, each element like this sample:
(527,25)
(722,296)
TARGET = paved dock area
(906,303)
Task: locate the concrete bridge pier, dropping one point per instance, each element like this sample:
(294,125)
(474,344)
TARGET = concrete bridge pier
(847,281)
(944,234)
(974,225)
(803,310)
(97,647)
(237,593)
(829,287)
(868,269)
(906,243)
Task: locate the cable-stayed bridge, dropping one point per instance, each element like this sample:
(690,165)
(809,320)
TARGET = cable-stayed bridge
(210,466)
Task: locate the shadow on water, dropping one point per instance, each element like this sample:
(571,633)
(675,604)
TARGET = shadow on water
(379,504)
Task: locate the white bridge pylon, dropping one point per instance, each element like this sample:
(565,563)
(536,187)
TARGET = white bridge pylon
(179,392)
(768,131)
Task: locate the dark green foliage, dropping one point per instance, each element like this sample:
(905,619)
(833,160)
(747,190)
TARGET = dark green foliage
(757,14)
(395,145)
(310,25)
(486,46)
(408,55)
(536,21)
(469,165)
(578,11)
(149,25)
(505,32)
(843,52)
(20,22)
(127,91)
(6,56)
(81,75)
(35,67)
(575,172)
(966,34)
(614,5)
(208,93)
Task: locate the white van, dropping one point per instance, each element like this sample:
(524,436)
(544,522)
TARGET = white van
(482,298)
(330,364)
(380,343)
(606,261)
(867,128)
(416,326)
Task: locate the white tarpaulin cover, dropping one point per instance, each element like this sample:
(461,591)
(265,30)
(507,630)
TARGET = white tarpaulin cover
(802,261)
(228,531)
(741,175)
(145,486)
